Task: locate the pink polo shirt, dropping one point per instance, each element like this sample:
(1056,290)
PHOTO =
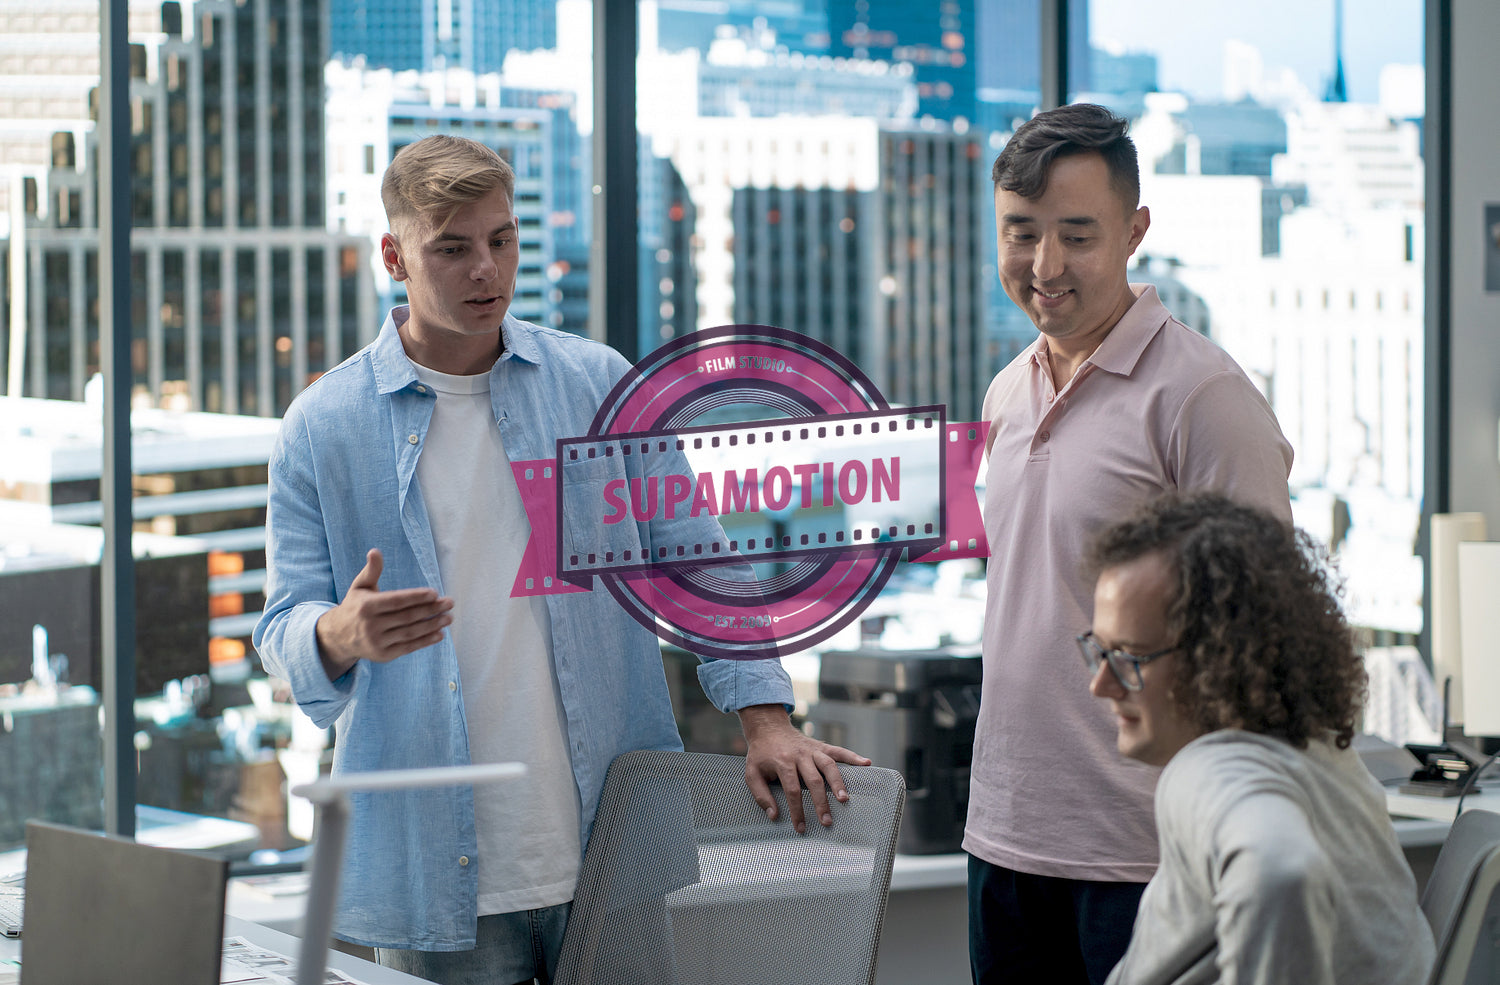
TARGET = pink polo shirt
(1157,407)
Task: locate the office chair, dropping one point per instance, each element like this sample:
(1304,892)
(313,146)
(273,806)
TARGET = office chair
(687,882)
(1461,903)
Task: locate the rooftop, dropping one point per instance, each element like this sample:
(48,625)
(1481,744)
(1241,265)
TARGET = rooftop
(59,440)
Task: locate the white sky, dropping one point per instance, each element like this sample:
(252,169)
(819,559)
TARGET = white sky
(1188,38)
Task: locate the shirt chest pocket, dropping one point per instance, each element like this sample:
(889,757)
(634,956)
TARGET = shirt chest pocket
(596,491)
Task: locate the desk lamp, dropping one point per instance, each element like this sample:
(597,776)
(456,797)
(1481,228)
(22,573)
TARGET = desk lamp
(330,796)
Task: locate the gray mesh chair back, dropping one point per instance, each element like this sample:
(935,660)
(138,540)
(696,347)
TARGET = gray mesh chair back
(687,882)
(1462,904)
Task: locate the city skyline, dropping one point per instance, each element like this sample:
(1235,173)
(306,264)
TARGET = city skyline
(1290,231)
(1190,55)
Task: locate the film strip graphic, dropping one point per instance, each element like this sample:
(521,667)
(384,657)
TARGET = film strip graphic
(670,514)
(830,465)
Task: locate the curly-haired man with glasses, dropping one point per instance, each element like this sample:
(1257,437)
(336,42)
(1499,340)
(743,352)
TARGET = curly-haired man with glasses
(1219,643)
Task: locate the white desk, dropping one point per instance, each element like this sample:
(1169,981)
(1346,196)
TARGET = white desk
(357,968)
(275,940)
(925,933)
(217,836)
(925,937)
(281,913)
(214,836)
(1422,822)
(1442,808)
(912,872)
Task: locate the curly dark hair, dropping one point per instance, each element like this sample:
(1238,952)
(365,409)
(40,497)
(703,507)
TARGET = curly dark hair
(1080,128)
(1264,646)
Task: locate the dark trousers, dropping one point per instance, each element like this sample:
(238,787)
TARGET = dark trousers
(1026,928)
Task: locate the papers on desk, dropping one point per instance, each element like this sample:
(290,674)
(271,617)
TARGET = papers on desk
(250,964)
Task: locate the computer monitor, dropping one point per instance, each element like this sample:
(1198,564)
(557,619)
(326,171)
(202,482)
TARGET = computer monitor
(1479,632)
(1446,532)
(105,909)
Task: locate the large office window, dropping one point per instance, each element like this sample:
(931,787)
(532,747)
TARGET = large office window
(804,156)
(818,166)
(1284,174)
(257,148)
(824,168)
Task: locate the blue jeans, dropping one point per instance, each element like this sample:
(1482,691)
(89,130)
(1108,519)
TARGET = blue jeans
(511,947)
(1027,928)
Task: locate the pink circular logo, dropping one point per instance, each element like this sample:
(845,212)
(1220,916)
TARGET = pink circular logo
(746,491)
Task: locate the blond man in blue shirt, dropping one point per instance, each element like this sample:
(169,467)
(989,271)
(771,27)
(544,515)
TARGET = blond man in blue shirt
(394,532)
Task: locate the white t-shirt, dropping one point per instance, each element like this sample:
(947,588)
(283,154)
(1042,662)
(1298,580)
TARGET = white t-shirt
(527,830)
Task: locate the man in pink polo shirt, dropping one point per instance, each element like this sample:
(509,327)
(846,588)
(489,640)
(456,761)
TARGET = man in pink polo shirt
(1115,403)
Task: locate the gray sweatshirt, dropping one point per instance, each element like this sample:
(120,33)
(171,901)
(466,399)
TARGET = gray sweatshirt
(1278,865)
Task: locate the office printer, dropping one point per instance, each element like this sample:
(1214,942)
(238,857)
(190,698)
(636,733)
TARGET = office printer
(913,711)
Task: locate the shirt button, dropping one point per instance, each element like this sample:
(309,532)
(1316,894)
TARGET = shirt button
(421,389)
(1046,436)
(411,439)
(1051,397)
(453,685)
(463,860)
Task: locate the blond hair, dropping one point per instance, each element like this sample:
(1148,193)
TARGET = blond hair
(435,176)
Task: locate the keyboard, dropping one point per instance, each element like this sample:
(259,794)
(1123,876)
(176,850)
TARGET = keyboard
(11,900)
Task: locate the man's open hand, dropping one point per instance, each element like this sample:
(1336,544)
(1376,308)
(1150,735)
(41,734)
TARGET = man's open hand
(777,751)
(376,625)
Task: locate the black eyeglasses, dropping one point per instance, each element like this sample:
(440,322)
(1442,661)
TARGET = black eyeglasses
(1126,666)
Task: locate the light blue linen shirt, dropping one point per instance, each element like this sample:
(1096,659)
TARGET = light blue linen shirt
(342,480)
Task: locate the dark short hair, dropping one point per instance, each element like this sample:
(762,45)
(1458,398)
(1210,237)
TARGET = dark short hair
(1263,643)
(1080,128)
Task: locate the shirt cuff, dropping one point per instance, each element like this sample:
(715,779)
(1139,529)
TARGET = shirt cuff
(323,700)
(735,684)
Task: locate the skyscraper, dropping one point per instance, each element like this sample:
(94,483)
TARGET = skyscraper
(1337,91)
(866,238)
(240,295)
(798,25)
(438,34)
(941,40)
(1009,38)
(374,113)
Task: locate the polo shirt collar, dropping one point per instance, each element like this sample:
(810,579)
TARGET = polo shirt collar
(1122,347)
